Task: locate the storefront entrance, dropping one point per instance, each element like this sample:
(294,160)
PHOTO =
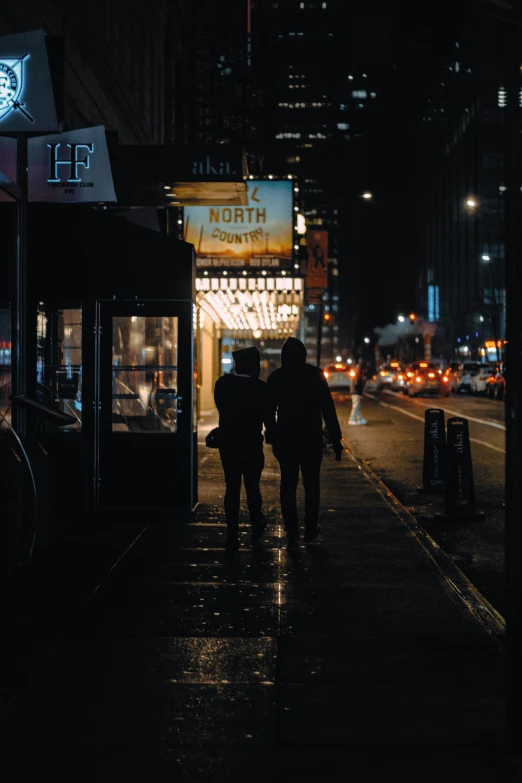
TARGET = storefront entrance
(145,427)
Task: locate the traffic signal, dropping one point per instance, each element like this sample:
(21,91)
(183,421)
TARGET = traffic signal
(412,318)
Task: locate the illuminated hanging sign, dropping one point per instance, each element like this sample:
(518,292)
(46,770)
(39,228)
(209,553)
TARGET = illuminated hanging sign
(259,234)
(70,167)
(26,95)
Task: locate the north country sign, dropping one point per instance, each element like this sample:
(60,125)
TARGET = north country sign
(26,95)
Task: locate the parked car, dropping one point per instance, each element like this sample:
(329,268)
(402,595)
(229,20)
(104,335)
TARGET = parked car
(339,375)
(461,378)
(385,374)
(496,383)
(479,381)
(427,379)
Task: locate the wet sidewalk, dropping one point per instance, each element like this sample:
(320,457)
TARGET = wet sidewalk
(350,660)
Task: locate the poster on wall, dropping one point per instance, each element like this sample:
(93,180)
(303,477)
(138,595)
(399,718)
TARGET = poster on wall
(259,234)
(317,267)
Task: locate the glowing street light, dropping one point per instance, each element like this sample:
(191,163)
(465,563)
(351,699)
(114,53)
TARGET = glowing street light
(401,318)
(471,203)
(366,339)
(367,195)
(338,358)
(485,257)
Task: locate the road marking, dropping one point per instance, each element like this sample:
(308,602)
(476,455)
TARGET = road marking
(460,414)
(419,418)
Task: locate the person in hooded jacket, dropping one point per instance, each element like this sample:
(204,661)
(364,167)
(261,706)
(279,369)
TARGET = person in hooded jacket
(301,399)
(242,402)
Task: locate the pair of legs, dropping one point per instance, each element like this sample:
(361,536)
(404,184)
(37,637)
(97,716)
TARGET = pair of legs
(307,458)
(247,465)
(356,416)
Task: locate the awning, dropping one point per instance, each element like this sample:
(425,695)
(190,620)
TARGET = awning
(175,175)
(262,306)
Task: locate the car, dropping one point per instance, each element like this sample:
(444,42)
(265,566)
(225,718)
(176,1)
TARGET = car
(496,383)
(385,374)
(479,381)
(427,379)
(338,375)
(462,376)
(399,379)
(371,384)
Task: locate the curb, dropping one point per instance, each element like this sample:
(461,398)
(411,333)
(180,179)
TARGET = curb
(491,620)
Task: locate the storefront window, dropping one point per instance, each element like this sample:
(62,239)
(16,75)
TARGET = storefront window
(145,374)
(59,360)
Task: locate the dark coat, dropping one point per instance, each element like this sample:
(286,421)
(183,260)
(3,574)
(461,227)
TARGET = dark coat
(301,398)
(242,402)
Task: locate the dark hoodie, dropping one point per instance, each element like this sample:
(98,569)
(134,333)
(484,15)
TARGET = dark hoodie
(241,399)
(300,395)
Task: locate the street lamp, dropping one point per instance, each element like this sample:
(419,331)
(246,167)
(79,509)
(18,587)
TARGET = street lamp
(367,195)
(401,318)
(485,257)
(471,203)
(366,339)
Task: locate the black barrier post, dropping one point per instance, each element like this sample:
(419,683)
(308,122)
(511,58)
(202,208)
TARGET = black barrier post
(434,462)
(459,499)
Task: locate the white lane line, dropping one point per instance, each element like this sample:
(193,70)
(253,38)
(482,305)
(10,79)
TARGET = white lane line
(419,418)
(487,422)
(406,413)
(488,445)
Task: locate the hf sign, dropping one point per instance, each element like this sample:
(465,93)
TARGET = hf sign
(71,167)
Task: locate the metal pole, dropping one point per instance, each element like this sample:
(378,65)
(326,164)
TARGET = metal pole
(319,333)
(513,409)
(19,316)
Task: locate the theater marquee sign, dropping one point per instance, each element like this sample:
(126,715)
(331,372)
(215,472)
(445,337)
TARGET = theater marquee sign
(259,234)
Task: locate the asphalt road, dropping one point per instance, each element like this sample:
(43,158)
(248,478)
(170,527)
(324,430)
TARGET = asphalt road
(392,443)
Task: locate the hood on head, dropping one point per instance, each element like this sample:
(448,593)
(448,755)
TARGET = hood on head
(293,352)
(247,361)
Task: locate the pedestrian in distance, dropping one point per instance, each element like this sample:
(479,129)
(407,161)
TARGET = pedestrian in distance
(300,399)
(357,388)
(242,402)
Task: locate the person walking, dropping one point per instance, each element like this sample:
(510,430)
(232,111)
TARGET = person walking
(299,400)
(242,402)
(357,387)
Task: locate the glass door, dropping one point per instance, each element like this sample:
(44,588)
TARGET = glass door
(144,408)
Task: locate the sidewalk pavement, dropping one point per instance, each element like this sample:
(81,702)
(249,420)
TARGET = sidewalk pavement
(355,659)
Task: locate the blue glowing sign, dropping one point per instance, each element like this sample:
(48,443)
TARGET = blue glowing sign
(26,95)
(72,161)
(70,167)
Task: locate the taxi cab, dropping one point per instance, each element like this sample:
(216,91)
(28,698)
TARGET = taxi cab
(386,373)
(339,375)
(427,379)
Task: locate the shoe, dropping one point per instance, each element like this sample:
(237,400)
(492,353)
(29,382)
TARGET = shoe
(354,423)
(363,421)
(313,536)
(258,528)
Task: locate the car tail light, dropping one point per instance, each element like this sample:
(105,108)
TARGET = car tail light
(431,375)
(445,379)
(352,373)
(400,377)
(418,379)
(383,373)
